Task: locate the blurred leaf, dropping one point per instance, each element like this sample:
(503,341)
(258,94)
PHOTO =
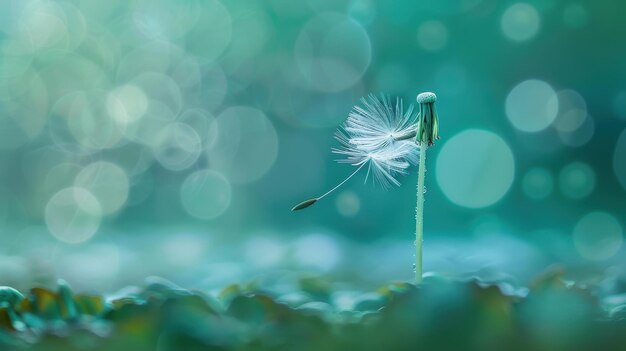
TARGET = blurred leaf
(318,287)
(370,302)
(67,305)
(10,296)
(44,303)
(5,318)
(90,304)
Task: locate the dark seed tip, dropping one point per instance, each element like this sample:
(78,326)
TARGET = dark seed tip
(304,204)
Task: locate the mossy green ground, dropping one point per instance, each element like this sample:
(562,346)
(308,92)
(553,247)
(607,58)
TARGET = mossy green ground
(440,314)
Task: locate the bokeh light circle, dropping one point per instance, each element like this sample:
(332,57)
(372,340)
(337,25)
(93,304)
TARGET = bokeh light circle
(88,120)
(581,135)
(201,121)
(332,52)
(60,176)
(73,215)
(42,25)
(107,182)
(127,103)
(160,87)
(532,105)
(577,180)
(205,194)
(147,130)
(520,22)
(432,35)
(212,32)
(76,25)
(186,72)
(348,203)
(572,111)
(364,11)
(475,168)
(162,22)
(246,146)
(213,90)
(570,121)
(178,148)
(538,183)
(598,236)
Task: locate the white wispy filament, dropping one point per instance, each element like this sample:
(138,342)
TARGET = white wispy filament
(378,135)
(370,137)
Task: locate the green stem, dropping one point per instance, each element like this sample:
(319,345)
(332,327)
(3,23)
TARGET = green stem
(419,214)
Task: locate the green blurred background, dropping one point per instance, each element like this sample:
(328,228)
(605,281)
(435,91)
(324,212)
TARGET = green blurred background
(172,138)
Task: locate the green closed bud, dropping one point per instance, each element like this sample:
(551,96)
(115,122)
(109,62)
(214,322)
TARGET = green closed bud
(428,122)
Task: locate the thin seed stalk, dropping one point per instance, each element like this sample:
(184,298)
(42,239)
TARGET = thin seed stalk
(419,214)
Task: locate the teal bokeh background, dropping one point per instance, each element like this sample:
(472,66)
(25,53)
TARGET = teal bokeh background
(172,137)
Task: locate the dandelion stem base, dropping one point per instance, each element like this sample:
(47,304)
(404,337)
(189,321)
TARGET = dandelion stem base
(419,214)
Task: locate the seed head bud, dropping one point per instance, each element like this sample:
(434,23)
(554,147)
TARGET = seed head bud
(427,122)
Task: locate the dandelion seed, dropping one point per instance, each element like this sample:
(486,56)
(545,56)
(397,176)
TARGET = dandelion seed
(376,134)
(388,140)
